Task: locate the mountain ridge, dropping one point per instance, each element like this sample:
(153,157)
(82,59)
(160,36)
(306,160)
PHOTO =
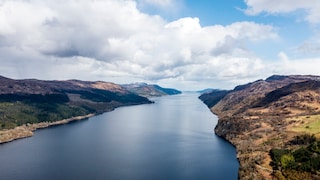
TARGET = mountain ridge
(150,90)
(44,103)
(266,114)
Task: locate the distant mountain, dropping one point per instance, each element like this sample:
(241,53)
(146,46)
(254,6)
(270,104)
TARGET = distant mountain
(31,101)
(150,90)
(208,90)
(268,117)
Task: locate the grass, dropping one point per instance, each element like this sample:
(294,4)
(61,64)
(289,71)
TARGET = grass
(307,124)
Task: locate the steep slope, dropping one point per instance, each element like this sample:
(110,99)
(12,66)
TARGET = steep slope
(150,90)
(29,101)
(212,97)
(265,115)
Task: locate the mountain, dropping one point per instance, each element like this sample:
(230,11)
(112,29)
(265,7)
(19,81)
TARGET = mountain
(31,101)
(210,98)
(274,124)
(208,90)
(150,90)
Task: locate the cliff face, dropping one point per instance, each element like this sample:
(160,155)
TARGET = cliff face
(35,101)
(264,115)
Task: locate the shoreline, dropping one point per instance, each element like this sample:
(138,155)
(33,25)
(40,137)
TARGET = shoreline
(231,143)
(253,158)
(27,130)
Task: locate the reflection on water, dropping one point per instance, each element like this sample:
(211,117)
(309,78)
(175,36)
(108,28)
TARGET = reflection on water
(171,139)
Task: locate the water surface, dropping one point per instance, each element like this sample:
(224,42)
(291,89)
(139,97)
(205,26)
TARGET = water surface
(171,139)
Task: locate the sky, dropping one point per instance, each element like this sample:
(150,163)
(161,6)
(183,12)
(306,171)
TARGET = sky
(183,44)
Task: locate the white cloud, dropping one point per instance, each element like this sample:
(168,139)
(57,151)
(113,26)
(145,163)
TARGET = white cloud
(283,57)
(161,3)
(112,40)
(297,66)
(312,7)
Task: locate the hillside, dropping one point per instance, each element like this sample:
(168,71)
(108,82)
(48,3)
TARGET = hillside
(150,90)
(30,101)
(271,122)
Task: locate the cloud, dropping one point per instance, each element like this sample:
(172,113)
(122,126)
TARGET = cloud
(311,7)
(289,66)
(113,40)
(310,47)
(161,3)
(160,6)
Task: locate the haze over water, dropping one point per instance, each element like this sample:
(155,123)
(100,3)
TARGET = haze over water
(171,139)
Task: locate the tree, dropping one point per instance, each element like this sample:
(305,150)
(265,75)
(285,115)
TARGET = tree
(287,160)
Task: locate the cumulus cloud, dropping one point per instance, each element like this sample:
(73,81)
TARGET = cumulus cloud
(161,3)
(168,6)
(113,40)
(312,8)
(296,66)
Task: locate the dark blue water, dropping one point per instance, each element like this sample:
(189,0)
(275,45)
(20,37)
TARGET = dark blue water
(171,139)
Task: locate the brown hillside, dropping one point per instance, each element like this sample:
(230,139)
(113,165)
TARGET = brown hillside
(31,101)
(263,115)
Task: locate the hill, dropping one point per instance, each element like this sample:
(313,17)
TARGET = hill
(208,90)
(30,101)
(150,90)
(270,122)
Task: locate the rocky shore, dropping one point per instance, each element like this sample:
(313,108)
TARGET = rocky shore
(28,129)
